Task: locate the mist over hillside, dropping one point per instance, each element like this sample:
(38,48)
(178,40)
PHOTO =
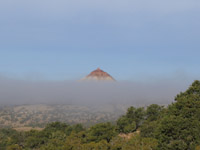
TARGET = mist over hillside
(35,103)
(18,92)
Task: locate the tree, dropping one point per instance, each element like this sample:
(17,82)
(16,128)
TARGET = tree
(125,125)
(187,104)
(102,131)
(131,121)
(148,128)
(136,143)
(136,115)
(176,132)
(78,128)
(74,141)
(180,128)
(154,112)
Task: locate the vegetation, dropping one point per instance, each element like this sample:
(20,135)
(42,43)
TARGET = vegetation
(40,115)
(175,127)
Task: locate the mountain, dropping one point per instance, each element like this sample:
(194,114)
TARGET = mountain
(98,75)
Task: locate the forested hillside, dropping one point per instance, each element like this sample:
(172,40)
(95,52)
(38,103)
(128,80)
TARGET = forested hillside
(176,127)
(35,116)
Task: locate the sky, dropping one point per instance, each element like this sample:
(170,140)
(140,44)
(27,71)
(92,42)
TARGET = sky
(137,40)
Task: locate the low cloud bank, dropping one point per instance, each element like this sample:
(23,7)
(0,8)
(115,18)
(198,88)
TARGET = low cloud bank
(17,92)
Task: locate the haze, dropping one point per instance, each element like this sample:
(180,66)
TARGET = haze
(17,92)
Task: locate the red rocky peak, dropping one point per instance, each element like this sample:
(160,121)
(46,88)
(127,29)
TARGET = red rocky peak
(99,74)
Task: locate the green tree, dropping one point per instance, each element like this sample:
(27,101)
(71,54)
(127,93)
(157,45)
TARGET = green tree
(148,128)
(125,125)
(136,114)
(78,128)
(74,141)
(178,133)
(102,131)
(187,104)
(180,128)
(131,121)
(154,112)
(138,143)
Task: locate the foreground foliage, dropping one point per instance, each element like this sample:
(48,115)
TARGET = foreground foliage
(176,127)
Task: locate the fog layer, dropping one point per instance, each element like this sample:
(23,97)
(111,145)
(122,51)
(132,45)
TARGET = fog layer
(17,92)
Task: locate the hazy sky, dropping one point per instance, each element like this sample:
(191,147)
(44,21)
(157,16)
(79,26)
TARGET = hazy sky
(131,39)
(16,92)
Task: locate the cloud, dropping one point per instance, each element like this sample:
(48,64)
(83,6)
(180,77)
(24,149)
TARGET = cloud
(16,92)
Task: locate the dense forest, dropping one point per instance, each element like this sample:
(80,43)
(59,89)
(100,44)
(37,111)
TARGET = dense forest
(176,127)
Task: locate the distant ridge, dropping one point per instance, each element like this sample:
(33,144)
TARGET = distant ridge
(98,75)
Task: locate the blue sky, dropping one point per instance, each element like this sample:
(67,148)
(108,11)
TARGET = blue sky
(130,39)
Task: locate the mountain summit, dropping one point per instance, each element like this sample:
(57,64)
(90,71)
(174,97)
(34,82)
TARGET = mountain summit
(98,75)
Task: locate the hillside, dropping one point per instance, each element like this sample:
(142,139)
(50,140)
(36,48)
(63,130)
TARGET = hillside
(40,115)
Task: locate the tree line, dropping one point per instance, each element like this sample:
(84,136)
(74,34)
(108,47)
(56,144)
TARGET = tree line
(175,127)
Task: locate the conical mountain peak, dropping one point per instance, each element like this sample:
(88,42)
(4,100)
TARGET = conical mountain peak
(99,75)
